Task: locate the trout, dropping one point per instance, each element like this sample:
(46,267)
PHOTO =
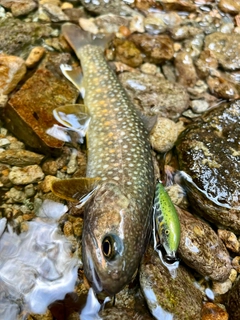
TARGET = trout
(120,177)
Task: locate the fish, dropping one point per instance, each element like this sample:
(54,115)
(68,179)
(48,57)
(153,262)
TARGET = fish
(166,222)
(117,215)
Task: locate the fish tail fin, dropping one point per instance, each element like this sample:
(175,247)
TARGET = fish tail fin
(78,38)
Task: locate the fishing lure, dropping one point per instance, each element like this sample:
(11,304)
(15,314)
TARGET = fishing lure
(166,227)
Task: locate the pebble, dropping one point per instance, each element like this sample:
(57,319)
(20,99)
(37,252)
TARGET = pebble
(4,142)
(221,287)
(19,8)
(110,23)
(68,229)
(16,145)
(45,185)
(15,195)
(154,24)
(89,25)
(178,5)
(199,106)
(236,263)
(136,24)
(222,88)
(12,70)
(201,249)
(20,157)
(186,73)
(72,164)
(35,56)
(66,5)
(212,311)
(50,167)
(3,100)
(163,135)
(26,175)
(29,190)
(127,52)
(233,275)
(230,240)
(206,63)
(54,12)
(229,6)
(149,68)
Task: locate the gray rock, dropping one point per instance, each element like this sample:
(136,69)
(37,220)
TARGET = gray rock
(154,95)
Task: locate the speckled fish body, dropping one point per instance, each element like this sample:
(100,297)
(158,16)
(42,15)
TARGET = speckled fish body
(166,221)
(117,220)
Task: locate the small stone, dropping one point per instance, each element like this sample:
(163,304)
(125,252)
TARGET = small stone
(136,24)
(222,88)
(178,5)
(68,229)
(185,69)
(229,6)
(230,240)
(66,5)
(4,142)
(89,25)
(35,56)
(20,157)
(211,311)
(128,53)
(154,24)
(236,263)
(3,100)
(163,135)
(149,68)
(55,13)
(72,164)
(16,145)
(23,7)
(50,167)
(26,175)
(46,184)
(12,70)
(233,275)
(110,23)
(16,195)
(221,287)
(29,190)
(77,227)
(199,106)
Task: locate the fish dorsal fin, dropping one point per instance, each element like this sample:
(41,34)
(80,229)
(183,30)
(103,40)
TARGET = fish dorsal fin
(75,189)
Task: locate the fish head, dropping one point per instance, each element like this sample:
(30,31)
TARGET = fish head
(113,239)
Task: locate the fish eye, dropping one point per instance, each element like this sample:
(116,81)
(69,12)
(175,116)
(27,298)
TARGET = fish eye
(110,247)
(167,232)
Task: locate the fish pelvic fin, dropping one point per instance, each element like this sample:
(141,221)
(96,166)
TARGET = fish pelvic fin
(75,189)
(78,38)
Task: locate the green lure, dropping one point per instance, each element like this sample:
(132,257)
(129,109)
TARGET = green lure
(166,222)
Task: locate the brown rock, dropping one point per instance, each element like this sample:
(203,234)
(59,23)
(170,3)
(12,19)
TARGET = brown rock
(128,53)
(178,5)
(229,6)
(20,157)
(19,8)
(206,63)
(12,70)
(26,175)
(35,56)
(32,106)
(236,263)
(157,48)
(185,69)
(211,311)
(230,240)
(201,249)
(222,88)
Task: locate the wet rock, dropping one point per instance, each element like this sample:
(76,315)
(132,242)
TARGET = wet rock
(167,297)
(26,175)
(17,37)
(221,287)
(149,68)
(163,135)
(222,88)
(236,263)
(186,73)
(206,64)
(46,184)
(136,24)
(201,249)
(184,32)
(68,229)
(72,165)
(199,106)
(116,313)
(110,23)
(232,300)
(157,48)
(12,70)
(178,5)
(15,195)
(211,311)
(229,6)
(155,24)
(103,7)
(32,110)
(3,100)
(50,167)
(75,14)
(128,53)
(20,158)
(88,25)
(19,8)
(230,240)
(35,56)
(55,13)
(226,49)
(208,152)
(154,95)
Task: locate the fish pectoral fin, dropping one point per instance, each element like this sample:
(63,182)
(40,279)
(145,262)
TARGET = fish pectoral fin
(74,75)
(76,189)
(74,117)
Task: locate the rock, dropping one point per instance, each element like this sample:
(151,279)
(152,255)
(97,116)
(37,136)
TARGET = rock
(17,37)
(103,7)
(222,88)
(3,100)
(12,70)
(232,300)
(211,311)
(206,64)
(110,23)
(55,13)
(221,287)
(149,68)
(45,185)
(184,32)
(156,48)
(72,164)
(35,56)
(116,313)
(168,298)
(136,24)
(229,6)
(201,249)
(128,53)
(226,49)
(75,14)
(68,229)
(230,240)
(199,106)
(208,152)
(236,263)
(19,8)
(26,175)
(178,5)
(32,110)
(153,95)
(4,142)
(186,73)
(50,167)
(163,135)
(15,195)
(20,158)
(154,24)
(89,25)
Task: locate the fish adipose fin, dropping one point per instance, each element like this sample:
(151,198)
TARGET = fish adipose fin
(76,189)
(78,38)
